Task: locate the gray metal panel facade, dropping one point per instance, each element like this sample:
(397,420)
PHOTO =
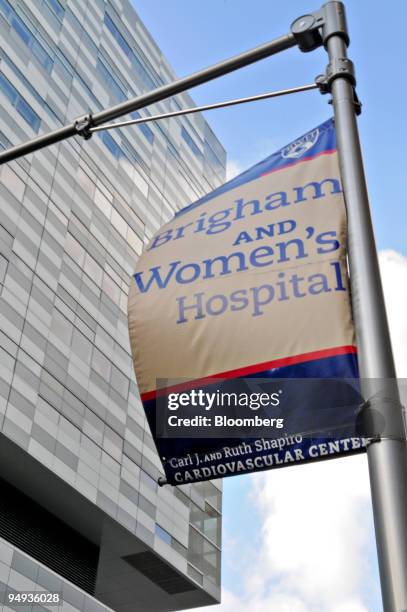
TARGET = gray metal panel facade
(73,219)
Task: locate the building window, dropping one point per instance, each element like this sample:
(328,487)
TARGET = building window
(66,74)
(81,346)
(208,522)
(207,492)
(144,128)
(93,269)
(74,249)
(112,84)
(42,56)
(149,481)
(103,203)
(27,113)
(101,364)
(110,288)
(118,37)
(204,556)
(28,38)
(134,241)
(195,575)
(5,8)
(213,160)
(8,89)
(61,327)
(128,51)
(119,223)
(191,143)
(142,73)
(163,534)
(25,110)
(111,144)
(57,8)
(21,29)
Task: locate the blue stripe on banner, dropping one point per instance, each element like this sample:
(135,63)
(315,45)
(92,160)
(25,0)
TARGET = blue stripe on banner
(339,366)
(321,139)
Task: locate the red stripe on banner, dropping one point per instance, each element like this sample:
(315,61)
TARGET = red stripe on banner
(252,369)
(299,161)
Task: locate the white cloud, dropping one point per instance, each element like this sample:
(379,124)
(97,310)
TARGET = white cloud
(315,532)
(315,523)
(251,156)
(233,168)
(277,602)
(317,551)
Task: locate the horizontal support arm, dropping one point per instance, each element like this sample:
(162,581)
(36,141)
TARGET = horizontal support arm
(82,125)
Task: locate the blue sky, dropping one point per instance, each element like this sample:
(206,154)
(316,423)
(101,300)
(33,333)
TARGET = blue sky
(193,35)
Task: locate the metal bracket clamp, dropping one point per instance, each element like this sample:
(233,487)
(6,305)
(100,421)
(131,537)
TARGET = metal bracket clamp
(378,438)
(375,426)
(82,126)
(343,68)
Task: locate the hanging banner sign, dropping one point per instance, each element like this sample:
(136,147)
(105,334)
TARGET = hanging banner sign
(244,293)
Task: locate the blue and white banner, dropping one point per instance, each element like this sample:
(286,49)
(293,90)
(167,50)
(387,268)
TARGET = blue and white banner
(249,282)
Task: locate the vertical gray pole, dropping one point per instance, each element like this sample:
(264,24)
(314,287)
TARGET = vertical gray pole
(387,458)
